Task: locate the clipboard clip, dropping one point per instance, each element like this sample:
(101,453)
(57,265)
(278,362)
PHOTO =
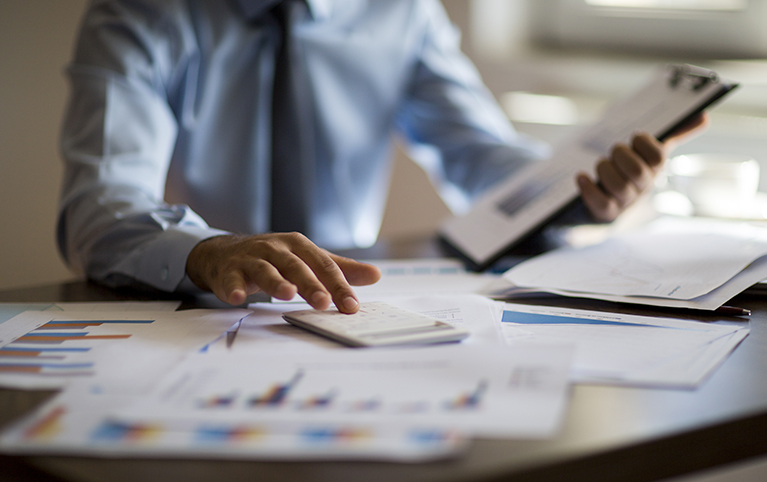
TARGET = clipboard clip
(698,76)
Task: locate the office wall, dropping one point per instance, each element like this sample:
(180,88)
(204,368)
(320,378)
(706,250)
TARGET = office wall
(35,42)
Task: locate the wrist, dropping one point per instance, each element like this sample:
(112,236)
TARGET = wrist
(201,260)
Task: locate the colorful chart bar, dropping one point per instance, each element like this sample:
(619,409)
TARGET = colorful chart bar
(227,434)
(119,432)
(59,338)
(13,354)
(60,369)
(218,401)
(333,435)
(469,400)
(277,394)
(46,349)
(80,324)
(320,401)
(431,437)
(47,427)
(544,319)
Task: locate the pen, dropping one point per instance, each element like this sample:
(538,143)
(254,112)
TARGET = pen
(732,310)
(231,333)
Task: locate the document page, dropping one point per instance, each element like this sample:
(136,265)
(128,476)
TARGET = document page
(477,390)
(77,422)
(47,349)
(614,348)
(674,258)
(266,329)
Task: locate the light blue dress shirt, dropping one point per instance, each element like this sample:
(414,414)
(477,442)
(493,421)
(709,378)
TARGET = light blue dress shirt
(167,140)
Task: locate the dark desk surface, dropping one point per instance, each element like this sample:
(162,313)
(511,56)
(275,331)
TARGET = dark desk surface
(610,433)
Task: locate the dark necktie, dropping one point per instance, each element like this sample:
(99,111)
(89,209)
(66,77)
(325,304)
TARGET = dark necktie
(292,129)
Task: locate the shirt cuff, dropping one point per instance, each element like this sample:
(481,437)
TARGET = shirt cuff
(164,264)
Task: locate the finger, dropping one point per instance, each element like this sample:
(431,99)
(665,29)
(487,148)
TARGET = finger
(295,269)
(268,279)
(329,274)
(632,166)
(599,204)
(614,184)
(650,149)
(232,289)
(355,272)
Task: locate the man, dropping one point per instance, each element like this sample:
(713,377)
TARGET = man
(271,118)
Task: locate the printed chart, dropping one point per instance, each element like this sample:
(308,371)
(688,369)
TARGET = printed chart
(46,349)
(77,421)
(459,387)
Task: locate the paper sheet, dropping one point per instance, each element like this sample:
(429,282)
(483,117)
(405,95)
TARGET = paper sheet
(76,423)
(266,329)
(9,310)
(678,259)
(488,391)
(710,301)
(622,349)
(46,349)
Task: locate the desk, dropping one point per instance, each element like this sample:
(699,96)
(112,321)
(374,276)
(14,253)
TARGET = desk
(610,433)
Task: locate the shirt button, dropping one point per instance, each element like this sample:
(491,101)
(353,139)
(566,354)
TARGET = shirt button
(164,273)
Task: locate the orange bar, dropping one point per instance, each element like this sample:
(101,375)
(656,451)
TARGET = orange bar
(20,369)
(44,339)
(19,353)
(48,425)
(67,326)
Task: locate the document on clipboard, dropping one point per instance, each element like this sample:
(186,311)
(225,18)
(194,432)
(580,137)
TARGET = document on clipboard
(524,202)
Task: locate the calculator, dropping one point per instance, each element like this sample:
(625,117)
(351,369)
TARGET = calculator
(376,324)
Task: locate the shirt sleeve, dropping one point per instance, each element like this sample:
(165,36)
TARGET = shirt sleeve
(460,134)
(117,141)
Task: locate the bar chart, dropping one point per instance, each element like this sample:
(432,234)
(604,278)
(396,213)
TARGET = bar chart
(347,391)
(59,348)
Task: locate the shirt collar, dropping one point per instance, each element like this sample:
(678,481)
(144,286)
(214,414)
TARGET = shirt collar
(318,9)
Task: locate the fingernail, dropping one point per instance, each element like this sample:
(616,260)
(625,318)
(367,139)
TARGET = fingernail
(350,304)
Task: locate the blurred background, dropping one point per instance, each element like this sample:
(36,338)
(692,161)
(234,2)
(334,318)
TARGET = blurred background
(552,64)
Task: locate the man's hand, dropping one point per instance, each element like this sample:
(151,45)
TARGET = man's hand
(280,264)
(630,171)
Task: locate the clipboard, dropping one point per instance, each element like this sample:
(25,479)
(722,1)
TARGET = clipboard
(524,202)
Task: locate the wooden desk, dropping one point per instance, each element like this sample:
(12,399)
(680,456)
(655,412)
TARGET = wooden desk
(610,433)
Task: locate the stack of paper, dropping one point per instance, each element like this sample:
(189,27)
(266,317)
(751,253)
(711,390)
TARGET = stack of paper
(672,262)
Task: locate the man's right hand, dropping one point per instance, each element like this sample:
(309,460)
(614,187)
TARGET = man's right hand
(280,264)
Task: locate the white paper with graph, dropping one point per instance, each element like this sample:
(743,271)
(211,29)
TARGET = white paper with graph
(488,391)
(615,348)
(77,422)
(47,349)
